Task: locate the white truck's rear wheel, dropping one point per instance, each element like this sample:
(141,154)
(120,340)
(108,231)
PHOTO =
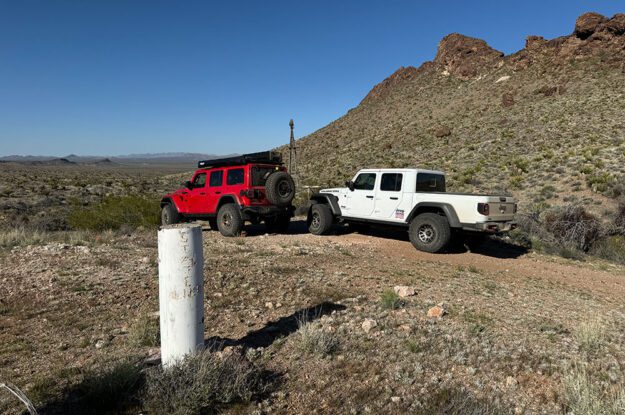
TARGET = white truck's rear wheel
(320,219)
(429,232)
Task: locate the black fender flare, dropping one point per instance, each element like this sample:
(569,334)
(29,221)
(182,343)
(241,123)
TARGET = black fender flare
(227,198)
(328,199)
(167,201)
(447,209)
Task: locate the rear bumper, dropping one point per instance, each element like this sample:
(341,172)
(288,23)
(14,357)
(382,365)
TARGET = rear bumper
(255,212)
(491,227)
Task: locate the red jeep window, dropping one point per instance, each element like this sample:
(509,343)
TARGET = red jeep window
(217,178)
(234,176)
(199,180)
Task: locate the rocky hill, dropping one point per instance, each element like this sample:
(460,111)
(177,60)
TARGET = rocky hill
(545,123)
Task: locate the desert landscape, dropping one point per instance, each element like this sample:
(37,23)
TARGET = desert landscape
(356,322)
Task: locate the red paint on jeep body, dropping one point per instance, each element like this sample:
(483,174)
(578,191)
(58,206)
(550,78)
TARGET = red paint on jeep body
(210,186)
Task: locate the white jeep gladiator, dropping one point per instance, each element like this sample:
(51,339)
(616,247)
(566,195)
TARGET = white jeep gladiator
(415,199)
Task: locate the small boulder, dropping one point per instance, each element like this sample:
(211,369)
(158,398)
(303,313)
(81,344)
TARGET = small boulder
(442,131)
(436,312)
(404,291)
(369,324)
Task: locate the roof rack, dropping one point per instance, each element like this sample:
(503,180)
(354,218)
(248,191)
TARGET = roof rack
(266,157)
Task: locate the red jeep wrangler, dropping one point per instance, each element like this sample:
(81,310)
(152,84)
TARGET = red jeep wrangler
(230,191)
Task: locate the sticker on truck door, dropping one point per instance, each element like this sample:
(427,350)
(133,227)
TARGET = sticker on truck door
(399,214)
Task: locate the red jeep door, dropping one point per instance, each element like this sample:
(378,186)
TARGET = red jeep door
(197,194)
(214,190)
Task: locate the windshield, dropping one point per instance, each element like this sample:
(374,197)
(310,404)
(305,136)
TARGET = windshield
(260,174)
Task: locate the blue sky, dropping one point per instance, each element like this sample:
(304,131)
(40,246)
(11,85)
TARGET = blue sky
(115,77)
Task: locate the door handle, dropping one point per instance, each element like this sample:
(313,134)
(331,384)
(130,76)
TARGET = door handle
(369,197)
(217,193)
(202,193)
(394,198)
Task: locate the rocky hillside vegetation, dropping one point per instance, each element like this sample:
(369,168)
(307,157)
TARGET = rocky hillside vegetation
(545,123)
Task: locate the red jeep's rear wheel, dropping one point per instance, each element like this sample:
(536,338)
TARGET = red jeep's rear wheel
(229,220)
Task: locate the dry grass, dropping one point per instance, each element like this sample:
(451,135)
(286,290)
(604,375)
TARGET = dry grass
(144,331)
(202,383)
(313,339)
(590,335)
(584,396)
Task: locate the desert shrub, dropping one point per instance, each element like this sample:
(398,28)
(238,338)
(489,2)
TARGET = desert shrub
(390,300)
(458,401)
(116,212)
(573,226)
(619,219)
(611,248)
(584,396)
(202,383)
(21,237)
(144,331)
(590,335)
(313,339)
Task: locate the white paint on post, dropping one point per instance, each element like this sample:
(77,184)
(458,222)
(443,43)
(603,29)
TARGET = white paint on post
(181,291)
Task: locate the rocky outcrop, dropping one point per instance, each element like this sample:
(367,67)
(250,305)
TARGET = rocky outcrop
(398,77)
(466,57)
(587,24)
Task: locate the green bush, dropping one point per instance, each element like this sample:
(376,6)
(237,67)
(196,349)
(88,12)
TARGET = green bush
(611,248)
(391,300)
(116,212)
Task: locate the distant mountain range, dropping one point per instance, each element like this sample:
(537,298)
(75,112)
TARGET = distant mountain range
(145,158)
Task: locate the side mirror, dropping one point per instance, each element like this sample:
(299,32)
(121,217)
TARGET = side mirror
(350,185)
(188,185)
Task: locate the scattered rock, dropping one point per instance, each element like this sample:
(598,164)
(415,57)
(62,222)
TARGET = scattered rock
(369,324)
(502,79)
(436,312)
(511,382)
(395,399)
(269,305)
(507,99)
(404,291)
(100,344)
(442,131)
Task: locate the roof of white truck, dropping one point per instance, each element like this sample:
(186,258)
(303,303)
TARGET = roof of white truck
(402,171)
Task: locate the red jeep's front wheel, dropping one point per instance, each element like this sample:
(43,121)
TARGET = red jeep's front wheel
(229,220)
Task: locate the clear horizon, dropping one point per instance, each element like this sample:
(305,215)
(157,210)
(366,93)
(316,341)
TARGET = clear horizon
(116,78)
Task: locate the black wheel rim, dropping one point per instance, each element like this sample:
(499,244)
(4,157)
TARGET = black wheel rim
(284,189)
(315,221)
(426,233)
(226,220)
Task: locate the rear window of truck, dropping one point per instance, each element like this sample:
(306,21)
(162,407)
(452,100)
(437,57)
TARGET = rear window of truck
(428,182)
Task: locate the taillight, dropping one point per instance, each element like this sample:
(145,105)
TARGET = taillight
(483,208)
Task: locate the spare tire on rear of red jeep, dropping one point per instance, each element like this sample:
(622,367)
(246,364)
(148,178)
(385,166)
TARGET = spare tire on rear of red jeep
(280,188)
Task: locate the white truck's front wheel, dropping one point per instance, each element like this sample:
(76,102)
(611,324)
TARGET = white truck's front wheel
(429,232)
(320,219)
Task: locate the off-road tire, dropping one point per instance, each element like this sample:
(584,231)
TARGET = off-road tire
(278,224)
(280,188)
(429,232)
(169,215)
(229,220)
(320,219)
(212,222)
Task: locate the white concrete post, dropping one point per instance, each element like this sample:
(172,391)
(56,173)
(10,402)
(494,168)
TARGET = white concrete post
(181,291)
